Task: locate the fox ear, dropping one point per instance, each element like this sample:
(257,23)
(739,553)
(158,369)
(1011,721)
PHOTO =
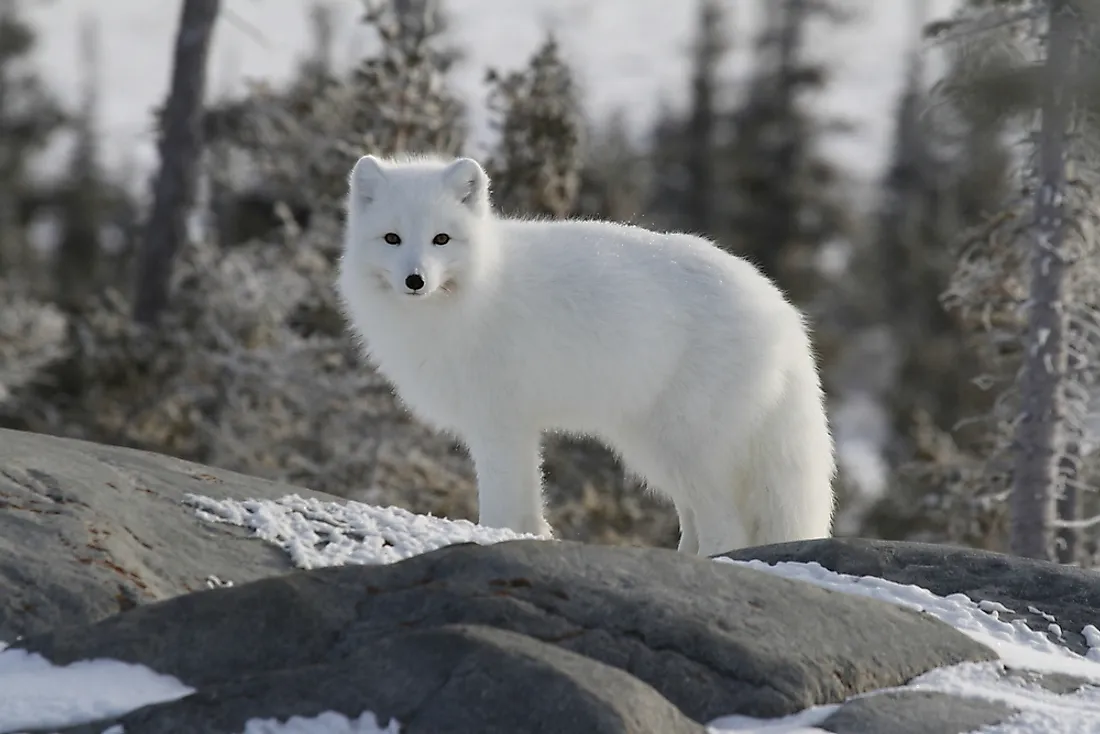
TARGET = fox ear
(366,176)
(467,180)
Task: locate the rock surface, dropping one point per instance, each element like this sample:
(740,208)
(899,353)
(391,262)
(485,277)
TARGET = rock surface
(88,530)
(99,557)
(453,678)
(1036,592)
(915,712)
(713,639)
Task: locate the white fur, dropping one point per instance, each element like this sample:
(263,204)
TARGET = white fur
(684,359)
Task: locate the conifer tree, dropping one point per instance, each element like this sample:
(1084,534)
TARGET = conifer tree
(29,117)
(1030,65)
(537,164)
(83,191)
(780,193)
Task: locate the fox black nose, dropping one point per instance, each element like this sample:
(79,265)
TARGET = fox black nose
(414,282)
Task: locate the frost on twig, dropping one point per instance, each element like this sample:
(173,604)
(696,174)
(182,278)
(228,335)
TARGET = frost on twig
(536,169)
(1026,281)
(396,99)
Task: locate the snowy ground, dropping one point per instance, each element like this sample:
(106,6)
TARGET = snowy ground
(630,54)
(38,694)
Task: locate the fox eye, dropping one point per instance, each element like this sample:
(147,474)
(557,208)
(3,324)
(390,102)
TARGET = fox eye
(391,238)
(441,239)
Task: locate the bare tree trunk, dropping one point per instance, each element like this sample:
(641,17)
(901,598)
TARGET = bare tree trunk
(711,45)
(11,237)
(180,149)
(12,250)
(1074,475)
(789,151)
(1040,435)
(786,259)
(77,258)
(1068,503)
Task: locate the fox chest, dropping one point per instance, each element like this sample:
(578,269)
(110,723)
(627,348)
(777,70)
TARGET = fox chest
(444,384)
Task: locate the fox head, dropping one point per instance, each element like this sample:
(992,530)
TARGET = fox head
(415,229)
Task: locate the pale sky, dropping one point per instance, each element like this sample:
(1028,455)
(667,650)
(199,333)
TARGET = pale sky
(629,54)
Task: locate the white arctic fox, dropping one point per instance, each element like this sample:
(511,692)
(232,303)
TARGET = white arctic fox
(684,359)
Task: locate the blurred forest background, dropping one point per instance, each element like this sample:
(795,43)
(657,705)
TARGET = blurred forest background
(194,315)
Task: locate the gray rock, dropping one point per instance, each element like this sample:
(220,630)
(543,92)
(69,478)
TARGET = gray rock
(916,712)
(88,530)
(613,639)
(447,679)
(713,639)
(1059,683)
(1070,595)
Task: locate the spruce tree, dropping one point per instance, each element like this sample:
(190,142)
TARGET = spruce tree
(29,117)
(780,194)
(1027,279)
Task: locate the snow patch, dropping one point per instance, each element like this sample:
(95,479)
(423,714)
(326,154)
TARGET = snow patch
(316,534)
(37,694)
(1017,644)
(326,723)
(804,722)
(1019,648)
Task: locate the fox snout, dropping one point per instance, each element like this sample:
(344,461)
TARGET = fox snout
(416,279)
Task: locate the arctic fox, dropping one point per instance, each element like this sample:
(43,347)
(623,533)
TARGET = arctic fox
(684,359)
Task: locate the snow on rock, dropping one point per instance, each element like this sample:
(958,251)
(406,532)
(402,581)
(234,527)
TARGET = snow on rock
(1015,642)
(804,722)
(36,694)
(1039,710)
(316,534)
(327,723)
(1092,637)
(1041,686)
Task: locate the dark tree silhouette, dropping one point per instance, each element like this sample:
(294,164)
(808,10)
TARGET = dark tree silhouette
(180,150)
